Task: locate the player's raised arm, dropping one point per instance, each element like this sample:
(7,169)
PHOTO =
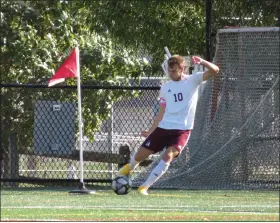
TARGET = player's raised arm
(156,121)
(212,68)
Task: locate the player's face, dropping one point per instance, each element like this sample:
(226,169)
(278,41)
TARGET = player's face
(175,72)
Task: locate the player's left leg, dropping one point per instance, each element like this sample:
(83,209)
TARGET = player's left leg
(160,169)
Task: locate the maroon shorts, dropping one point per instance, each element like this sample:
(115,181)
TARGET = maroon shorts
(161,138)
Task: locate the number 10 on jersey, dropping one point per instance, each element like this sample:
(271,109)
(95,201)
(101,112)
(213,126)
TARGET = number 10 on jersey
(178,97)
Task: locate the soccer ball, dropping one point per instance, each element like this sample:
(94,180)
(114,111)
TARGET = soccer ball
(121,185)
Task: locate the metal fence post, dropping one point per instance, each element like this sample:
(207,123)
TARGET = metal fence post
(13,160)
(208,28)
(111,140)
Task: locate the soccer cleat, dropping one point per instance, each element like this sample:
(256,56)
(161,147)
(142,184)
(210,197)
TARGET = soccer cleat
(125,170)
(143,190)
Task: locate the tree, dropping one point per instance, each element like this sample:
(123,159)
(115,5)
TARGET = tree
(244,13)
(152,25)
(180,25)
(36,36)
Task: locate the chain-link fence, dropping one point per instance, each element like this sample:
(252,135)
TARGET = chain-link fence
(41,134)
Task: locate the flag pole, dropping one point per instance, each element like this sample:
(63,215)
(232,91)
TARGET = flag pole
(81,188)
(80,118)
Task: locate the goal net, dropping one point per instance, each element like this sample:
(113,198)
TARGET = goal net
(236,138)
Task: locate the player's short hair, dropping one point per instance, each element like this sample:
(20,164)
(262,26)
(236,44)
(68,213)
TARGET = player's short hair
(176,60)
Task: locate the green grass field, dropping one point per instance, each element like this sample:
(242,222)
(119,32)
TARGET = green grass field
(160,205)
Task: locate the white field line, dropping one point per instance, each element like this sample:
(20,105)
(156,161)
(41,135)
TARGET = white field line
(137,206)
(29,219)
(164,208)
(232,212)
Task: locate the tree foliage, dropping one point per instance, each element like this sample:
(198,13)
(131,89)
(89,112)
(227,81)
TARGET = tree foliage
(36,36)
(152,25)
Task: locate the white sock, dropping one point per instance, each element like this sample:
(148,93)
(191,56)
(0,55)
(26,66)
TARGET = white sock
(133,163)
(157,172)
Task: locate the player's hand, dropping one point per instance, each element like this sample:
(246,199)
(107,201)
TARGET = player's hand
(145,133)
(196,60)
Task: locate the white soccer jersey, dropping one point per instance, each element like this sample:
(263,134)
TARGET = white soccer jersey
(180,99)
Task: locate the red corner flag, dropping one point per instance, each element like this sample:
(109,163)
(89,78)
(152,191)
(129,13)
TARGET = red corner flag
(69,69)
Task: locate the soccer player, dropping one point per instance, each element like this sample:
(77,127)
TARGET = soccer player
(174,122)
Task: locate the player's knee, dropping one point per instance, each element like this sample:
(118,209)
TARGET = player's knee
(170,154)
(167,158)
(138,156)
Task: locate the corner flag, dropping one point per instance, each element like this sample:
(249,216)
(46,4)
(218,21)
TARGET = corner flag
(69,69)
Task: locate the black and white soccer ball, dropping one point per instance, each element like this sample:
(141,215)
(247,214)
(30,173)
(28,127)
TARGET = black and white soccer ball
(121,185)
